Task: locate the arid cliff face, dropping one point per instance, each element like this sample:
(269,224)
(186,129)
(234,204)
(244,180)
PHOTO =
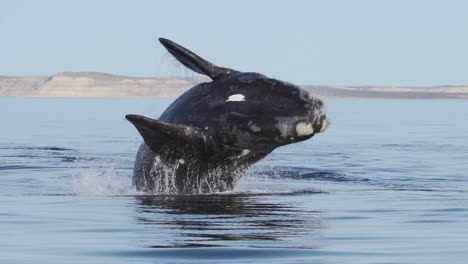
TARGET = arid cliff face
(86,84)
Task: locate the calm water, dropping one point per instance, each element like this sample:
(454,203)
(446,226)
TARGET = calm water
(387,183)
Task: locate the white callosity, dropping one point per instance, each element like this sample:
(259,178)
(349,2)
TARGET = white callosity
(283,124)
(304,129)
(325,125)
(253,127)
(244,153)
(236,98)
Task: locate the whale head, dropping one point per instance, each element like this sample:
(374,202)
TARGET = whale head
(242,111)
(269,112)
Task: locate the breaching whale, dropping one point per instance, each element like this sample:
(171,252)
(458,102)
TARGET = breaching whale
(210,135)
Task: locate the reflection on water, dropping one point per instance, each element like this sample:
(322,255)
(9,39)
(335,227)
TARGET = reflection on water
(212,220)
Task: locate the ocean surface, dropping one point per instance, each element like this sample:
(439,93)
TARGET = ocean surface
(387,183)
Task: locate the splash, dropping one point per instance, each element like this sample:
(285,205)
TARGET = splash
(163,178)
(102,182)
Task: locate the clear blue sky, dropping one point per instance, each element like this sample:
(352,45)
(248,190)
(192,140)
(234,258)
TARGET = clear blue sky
(397,42)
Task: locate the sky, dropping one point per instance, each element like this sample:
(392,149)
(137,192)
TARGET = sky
(329,42)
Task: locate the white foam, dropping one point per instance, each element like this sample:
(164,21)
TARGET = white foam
(102,182)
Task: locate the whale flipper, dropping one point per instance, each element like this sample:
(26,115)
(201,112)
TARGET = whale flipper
(157,134)
(193,61)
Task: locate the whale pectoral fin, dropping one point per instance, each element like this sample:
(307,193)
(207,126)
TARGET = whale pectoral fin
(156,133)
(193,61)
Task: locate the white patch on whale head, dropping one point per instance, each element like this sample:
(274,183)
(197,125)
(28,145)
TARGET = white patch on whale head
(283,124)
(236,98)
(315,96)
(255,128)
(244,153)
(325,125)
(304,129)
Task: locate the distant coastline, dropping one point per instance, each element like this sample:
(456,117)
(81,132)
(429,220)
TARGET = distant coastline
(102,85)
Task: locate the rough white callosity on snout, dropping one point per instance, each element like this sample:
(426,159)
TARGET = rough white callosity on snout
(236,98)
(304,129)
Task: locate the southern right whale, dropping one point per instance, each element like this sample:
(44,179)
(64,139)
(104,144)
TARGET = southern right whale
(210,135)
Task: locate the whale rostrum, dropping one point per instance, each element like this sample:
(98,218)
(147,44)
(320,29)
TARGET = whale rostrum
(210,135)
